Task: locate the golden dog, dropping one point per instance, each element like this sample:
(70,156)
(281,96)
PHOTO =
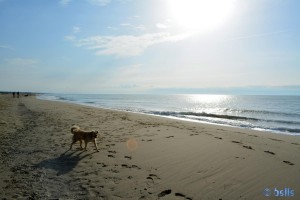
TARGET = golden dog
(81,135)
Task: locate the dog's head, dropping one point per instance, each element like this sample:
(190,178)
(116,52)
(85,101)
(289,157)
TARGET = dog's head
(94,134)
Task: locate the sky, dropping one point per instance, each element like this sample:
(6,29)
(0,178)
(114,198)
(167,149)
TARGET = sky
(150,46)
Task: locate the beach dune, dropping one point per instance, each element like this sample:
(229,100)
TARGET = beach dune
(141,156)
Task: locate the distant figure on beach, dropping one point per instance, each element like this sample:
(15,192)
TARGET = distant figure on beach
(13,94)
(18,94)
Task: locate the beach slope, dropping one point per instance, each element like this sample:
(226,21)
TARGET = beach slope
(141,156)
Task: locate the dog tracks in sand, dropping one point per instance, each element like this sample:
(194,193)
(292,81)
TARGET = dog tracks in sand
(169,191)
(288,162)
(128,157)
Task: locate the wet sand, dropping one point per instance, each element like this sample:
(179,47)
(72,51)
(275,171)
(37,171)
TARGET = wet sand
(141,156)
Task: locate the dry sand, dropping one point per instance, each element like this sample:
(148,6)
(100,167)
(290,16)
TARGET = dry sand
(141,156)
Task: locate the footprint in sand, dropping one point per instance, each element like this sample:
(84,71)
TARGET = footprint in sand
(132,166)
(270,152)
(103,165)
(135,166)
(288,162)
(113,171)
(248,147)
(125,165)
(128,157)
(152,177)
(110,156)
(171,136)
(114,152)
(164,193)
(219,138)
(295,143)
(237,142)
(240,157)
(177,194)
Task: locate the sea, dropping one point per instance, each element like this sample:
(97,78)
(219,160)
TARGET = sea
(277,114)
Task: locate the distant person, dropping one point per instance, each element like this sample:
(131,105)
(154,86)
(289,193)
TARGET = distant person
(18,94)
(14,94)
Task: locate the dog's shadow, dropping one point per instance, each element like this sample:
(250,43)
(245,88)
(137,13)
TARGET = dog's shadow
(65,163)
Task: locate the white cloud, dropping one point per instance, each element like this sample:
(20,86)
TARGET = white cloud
(134,27)
(76,29)
(99,2)
(125,24)
(65,2)
(127,45)
(70,37)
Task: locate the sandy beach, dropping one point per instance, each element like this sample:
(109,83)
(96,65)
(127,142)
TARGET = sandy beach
(141,156)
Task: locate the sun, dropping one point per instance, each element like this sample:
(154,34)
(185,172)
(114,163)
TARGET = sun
(200,15)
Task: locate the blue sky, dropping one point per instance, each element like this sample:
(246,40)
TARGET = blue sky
(150,46)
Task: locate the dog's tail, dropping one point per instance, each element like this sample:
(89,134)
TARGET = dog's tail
(74,129)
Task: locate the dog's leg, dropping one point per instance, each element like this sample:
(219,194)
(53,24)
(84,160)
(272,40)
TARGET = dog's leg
(96,145)
(81,144)
(85,145)
(73,142)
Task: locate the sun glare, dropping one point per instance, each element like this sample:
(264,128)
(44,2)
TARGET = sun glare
(205,99)
(200,15)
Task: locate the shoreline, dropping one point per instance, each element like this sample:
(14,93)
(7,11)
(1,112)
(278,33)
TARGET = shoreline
(141,156)
(174,117)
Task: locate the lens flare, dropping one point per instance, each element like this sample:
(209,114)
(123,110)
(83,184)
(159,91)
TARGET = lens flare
(132,144)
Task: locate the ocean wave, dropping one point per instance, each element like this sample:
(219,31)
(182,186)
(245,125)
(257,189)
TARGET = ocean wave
(48,97)
(220,116)
(263,112)
(65,99)
(287,130)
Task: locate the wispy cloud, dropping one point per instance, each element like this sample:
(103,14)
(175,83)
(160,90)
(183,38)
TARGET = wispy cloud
(21,62)
(70,38)
(76,29)
(99,2)
(127,45)
(64,2)
(92,2)
(112,28)
(134,27)
(6,46)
